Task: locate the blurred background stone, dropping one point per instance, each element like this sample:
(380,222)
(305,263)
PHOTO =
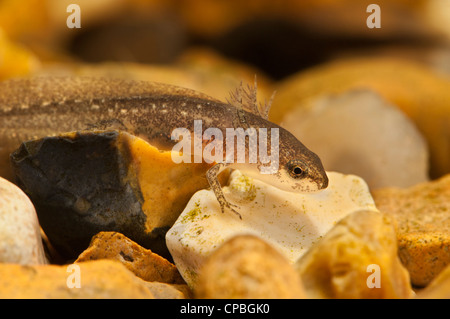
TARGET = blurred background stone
(200,69)
(357,132)
(420,93)
(280,38)
(15,59)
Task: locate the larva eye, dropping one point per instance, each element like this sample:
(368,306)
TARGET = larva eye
(296,169)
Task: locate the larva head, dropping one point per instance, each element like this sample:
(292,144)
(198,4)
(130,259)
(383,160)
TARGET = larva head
(300,170)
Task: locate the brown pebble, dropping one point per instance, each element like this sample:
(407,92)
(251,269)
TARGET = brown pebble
(247,267)
(142,262)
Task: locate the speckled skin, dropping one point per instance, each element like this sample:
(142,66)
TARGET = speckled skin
(44,106)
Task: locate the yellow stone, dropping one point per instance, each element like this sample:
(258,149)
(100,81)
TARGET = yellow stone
(24,19)
(101,279)
(166,187)
(356,259)
(422,220)
(15,60)
(169,291)
(439,288)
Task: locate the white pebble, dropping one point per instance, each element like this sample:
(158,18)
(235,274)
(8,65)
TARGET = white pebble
(20,238)
(291,222)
